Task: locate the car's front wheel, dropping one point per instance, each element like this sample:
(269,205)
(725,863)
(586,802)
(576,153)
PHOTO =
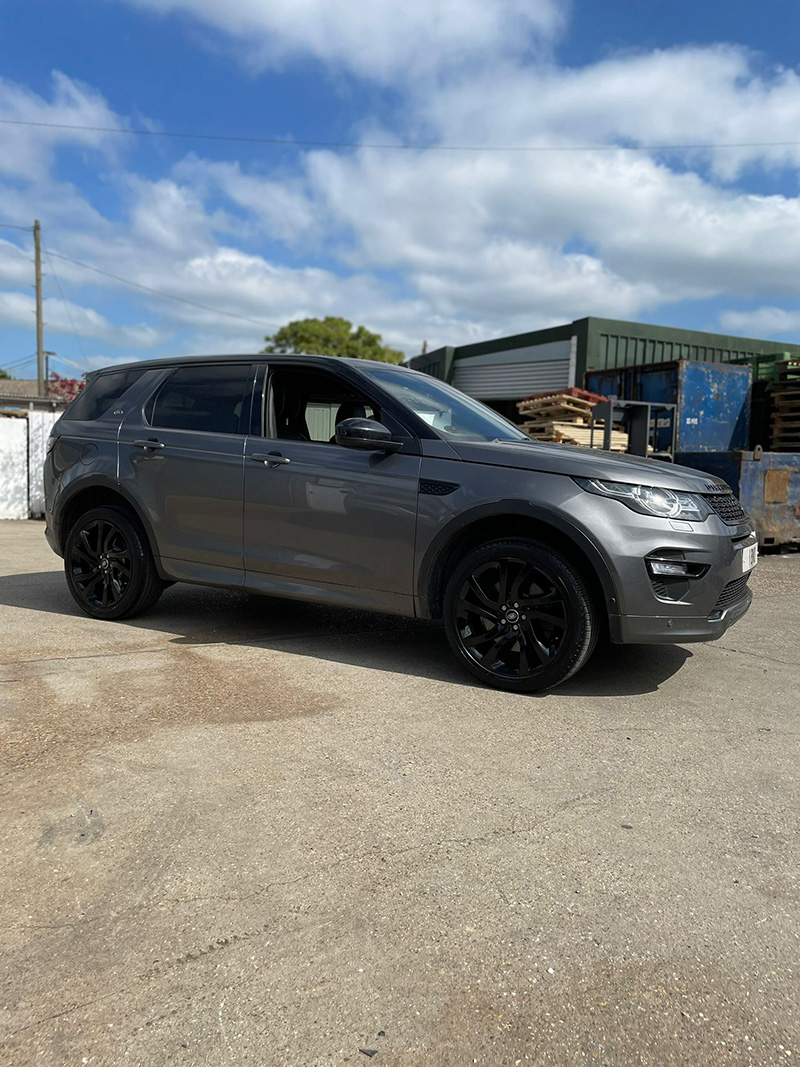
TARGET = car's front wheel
(519,616)
(109,566)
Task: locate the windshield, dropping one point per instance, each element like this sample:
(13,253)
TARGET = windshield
(451,413)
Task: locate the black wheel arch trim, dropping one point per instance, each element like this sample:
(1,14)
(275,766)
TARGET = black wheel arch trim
(426,574)
(99,481)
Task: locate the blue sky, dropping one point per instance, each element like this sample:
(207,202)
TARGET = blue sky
(446,246)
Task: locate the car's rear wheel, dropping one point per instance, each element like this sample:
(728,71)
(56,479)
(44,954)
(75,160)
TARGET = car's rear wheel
(519,616)
(109,566)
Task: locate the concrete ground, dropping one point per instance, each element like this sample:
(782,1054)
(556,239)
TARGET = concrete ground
(245,831)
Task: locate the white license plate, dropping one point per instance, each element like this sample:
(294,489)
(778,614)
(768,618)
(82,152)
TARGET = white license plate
(749,558)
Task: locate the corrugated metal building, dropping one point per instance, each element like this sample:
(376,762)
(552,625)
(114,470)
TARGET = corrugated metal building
(506,370)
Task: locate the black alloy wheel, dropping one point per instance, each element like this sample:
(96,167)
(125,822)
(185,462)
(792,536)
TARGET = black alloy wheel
(512,617)
(109,566)
(519,616)
(101,562)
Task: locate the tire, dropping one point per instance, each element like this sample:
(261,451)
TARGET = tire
(496,638)
(127,583)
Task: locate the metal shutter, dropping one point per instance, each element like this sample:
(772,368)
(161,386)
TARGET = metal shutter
(511,375)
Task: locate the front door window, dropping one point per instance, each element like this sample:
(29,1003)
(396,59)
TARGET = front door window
(308,405)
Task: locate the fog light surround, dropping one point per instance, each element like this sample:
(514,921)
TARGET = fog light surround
(675,568)
(668,565)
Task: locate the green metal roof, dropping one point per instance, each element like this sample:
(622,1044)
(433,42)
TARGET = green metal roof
(605,343)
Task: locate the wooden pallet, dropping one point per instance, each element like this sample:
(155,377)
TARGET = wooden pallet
(785,419)
(553,407)
(574,433)
(563,418)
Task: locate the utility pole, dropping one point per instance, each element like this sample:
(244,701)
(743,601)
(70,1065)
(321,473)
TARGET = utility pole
(37,248)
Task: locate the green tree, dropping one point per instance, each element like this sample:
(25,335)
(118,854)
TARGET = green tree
(4,374)
(331,337)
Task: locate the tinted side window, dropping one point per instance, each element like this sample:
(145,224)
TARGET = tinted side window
(308,404)
(101,394)
(210,399)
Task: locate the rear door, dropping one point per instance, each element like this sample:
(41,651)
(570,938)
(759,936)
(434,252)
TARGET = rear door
(318,514)
(182,456)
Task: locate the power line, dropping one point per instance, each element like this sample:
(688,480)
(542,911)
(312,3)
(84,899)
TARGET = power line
(11,226)
(64,301)
(19,362)
(288,142)
(168,296)
(69,362)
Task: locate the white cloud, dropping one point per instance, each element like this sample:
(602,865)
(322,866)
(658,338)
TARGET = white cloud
(280,205)
(763,322)
(645,235)
(380,39)
(680,96)
(28,151)
(62,316)
(15,264)
(447,247)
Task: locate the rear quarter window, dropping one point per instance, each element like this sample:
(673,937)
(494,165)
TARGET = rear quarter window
(101,394)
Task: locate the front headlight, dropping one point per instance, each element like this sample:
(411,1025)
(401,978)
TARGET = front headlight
(650,500)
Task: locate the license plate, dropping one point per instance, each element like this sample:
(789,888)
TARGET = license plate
(749,558)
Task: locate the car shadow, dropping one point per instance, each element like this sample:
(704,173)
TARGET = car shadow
(198,615)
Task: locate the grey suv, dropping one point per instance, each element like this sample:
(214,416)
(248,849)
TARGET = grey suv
(369,486)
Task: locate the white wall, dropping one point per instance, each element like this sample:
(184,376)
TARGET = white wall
(39,425)
(13,468)
(23,444)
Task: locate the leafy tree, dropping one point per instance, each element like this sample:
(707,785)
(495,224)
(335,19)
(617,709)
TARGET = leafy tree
(64,388)
(4,374)
(331,337)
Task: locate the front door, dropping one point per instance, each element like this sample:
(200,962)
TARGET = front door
(322,520)
(182,458)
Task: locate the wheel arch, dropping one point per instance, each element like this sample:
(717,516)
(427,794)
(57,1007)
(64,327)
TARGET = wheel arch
(98,492)
(499,521)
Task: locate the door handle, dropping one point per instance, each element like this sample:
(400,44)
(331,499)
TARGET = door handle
(272,459)
(148,444)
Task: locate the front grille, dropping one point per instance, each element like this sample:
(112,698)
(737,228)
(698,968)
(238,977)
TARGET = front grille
(732,592)
(727,507)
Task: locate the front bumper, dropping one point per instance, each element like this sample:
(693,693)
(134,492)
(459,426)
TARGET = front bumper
(650,610)
(677,630)
(52,537)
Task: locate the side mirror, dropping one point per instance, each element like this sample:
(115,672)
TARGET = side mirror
(367,435)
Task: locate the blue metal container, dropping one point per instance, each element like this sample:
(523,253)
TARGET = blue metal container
(768,485)
(712,401)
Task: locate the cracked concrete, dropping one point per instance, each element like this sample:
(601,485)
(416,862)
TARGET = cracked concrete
(244,831)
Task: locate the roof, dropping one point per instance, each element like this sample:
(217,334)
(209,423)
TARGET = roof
(17,400)
(599,326)
(260,357)
(19,386)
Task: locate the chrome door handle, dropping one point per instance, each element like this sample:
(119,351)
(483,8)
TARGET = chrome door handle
(271,458)
(148,444)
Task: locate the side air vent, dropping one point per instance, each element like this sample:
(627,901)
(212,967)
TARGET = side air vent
(429,488)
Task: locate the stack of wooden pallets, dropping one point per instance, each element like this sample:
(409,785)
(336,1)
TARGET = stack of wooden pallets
(786,411)
(563,417)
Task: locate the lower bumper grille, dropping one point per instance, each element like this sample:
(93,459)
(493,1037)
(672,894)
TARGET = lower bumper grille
(732,592)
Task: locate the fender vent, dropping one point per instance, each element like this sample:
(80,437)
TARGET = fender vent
(437,488)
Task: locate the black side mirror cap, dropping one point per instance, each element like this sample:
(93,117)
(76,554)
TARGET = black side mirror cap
(366,435)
